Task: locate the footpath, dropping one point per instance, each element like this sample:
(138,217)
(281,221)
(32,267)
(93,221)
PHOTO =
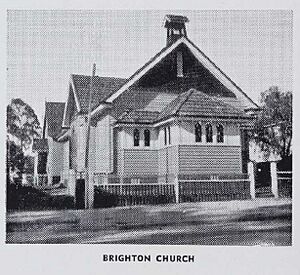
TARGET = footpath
(44,226)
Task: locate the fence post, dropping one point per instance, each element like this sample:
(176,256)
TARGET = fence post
(274,178)
(176,189)
(90,197)
(252,179)
(71,183)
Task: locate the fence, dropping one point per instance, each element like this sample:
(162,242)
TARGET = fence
(214,190)
(167,189)
(41,180)
(285,186)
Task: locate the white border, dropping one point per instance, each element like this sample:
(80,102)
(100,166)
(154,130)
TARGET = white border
(86,259)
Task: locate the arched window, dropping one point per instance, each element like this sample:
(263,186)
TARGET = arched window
(209,133)
(165,132)
(136,137)
(220,133)
(147,137)
(198,132)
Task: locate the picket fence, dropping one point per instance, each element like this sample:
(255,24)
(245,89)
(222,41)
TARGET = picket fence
(167,189)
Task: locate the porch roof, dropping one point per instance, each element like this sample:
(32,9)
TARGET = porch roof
(138,116)
(198,104)
(192,103)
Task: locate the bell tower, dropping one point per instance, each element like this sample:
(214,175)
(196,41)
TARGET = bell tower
(175,25)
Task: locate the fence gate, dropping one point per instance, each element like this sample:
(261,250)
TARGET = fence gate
(80,194)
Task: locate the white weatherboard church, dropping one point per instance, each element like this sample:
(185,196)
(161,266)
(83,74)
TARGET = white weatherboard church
(179,114)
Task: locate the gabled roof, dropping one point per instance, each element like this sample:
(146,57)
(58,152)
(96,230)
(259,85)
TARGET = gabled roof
(194,103)
(54,112)
(40,145)
(202,58)
(102,88)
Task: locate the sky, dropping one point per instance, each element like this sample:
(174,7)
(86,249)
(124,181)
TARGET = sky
(254,48)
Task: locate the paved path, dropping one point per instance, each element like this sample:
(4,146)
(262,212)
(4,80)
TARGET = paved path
(258,222)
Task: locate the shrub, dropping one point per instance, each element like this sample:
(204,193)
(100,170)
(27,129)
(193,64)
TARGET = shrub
(104,199)
(29,198)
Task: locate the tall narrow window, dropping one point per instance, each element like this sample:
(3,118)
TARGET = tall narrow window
(220,133)
(136,137)
(169,132)
(198,132)
(165,131)
(147,137)
(209,133)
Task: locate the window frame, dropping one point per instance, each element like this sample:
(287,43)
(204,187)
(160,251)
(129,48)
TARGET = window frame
(165,136)
(198,132)
(136,141)
(147,137)
(209,133)
(220,133)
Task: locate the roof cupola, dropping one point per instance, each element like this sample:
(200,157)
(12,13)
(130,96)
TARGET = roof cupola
(175,25)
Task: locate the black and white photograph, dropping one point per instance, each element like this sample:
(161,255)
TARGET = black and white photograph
(149,127)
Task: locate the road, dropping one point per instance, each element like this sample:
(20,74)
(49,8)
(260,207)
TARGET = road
(266,222)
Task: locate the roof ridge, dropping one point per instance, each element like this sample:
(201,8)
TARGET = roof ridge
(187,96)
(112,77)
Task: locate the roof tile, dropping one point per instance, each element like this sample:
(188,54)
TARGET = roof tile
(196,103)
(54,112)
(102,88)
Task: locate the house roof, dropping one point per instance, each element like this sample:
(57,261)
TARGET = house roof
(54,112)
(102,88)
(40,145)
(191,103)
(138,116)
(198,104)
(211,66)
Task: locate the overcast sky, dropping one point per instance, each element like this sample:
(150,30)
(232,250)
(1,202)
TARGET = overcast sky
(254,48)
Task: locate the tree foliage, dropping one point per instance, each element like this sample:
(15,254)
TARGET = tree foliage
(22,127)
(273,127)
(15,161)
(22,122)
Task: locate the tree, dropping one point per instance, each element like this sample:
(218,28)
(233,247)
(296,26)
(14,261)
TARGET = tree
(273,127)
(22,122)
(15,161)
(22,127)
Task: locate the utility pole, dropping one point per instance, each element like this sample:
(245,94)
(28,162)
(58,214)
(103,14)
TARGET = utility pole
(89,191)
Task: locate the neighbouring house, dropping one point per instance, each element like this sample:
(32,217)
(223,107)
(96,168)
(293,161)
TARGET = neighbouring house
(48,152)
(179,114)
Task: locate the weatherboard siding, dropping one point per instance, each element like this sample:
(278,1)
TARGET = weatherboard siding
(65,164)
(143,162)
(104,145)
(55,158)
(195,159)
(168,160)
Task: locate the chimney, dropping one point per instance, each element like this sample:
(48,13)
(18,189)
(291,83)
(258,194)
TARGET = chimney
(175,25)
